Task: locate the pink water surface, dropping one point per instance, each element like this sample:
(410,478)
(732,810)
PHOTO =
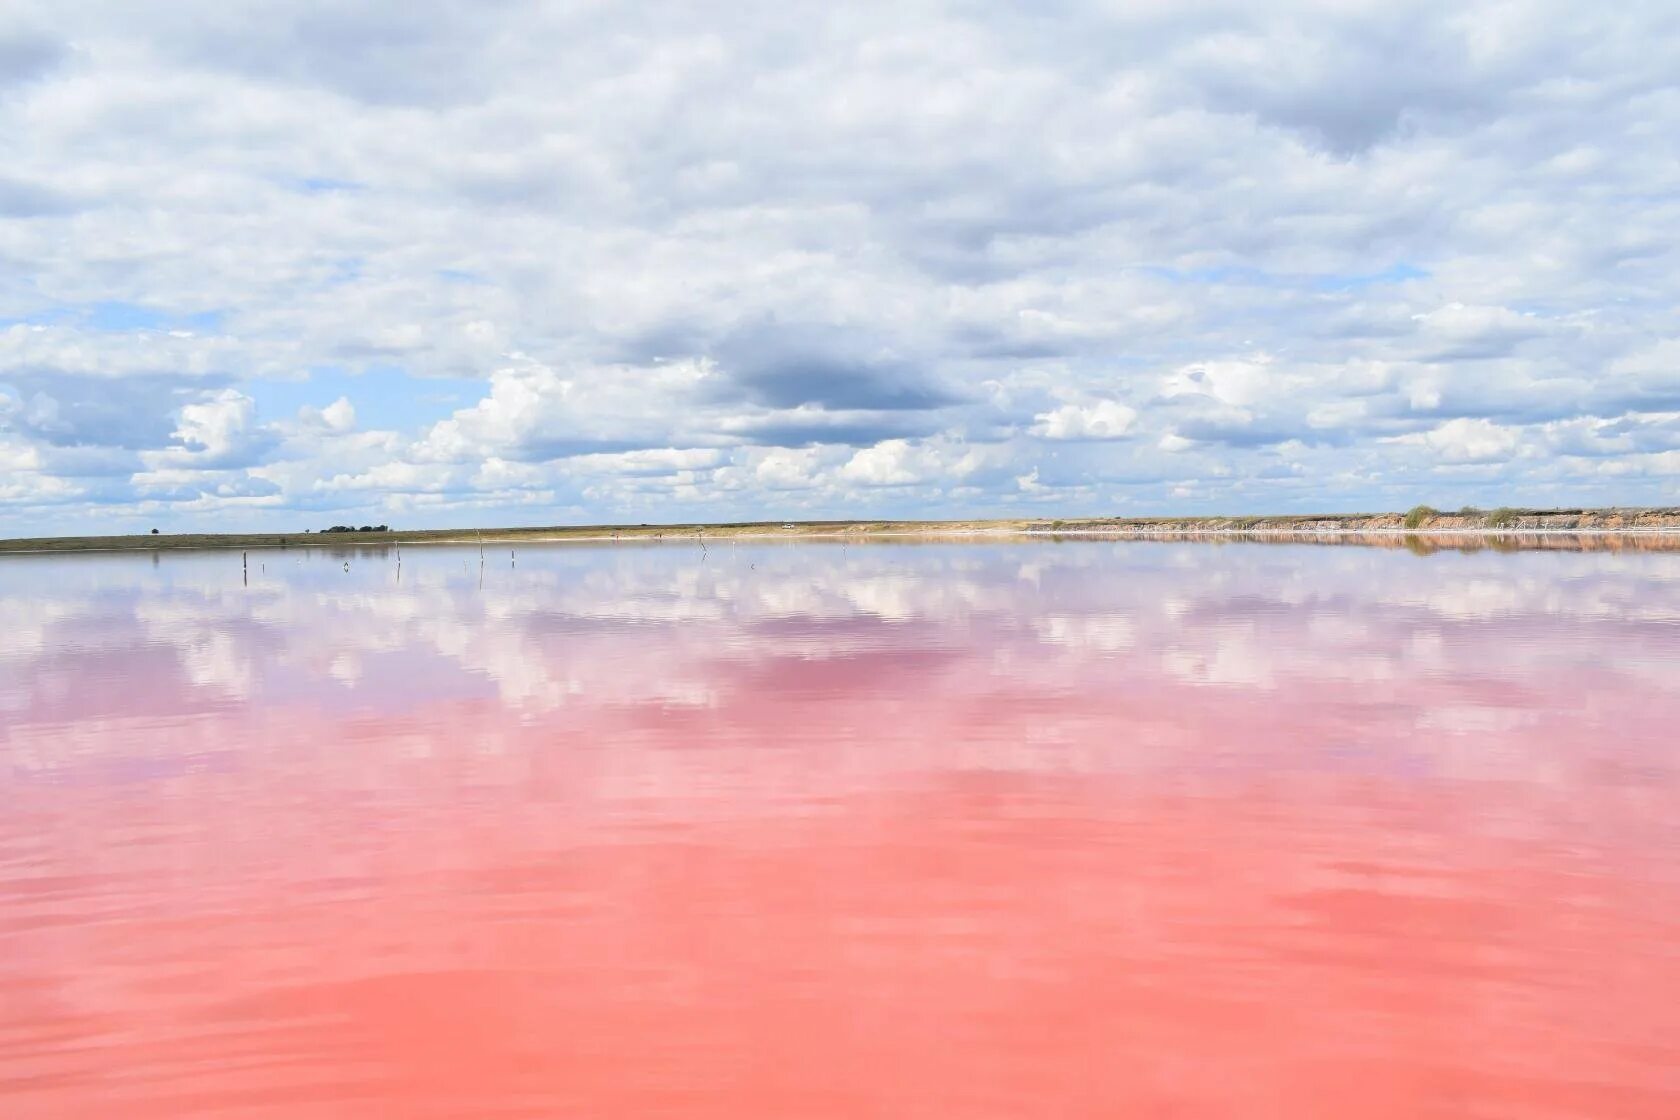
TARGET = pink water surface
(1087,829)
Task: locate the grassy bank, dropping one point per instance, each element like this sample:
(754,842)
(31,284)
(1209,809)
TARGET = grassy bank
(1420,520)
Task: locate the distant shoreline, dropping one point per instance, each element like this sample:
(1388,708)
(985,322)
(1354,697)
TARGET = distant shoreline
(1419,522)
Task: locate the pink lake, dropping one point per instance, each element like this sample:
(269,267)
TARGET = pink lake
(1077,829)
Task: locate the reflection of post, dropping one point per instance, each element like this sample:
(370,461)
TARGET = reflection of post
(245,569)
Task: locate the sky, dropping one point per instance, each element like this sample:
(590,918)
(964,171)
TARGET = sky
(290,264)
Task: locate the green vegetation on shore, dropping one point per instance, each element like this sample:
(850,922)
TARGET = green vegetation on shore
(1417,515)
(1420,519)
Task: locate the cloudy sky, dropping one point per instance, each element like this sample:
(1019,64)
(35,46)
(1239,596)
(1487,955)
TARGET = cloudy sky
(286,264)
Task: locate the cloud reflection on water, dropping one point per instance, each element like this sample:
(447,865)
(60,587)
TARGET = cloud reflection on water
(892,807)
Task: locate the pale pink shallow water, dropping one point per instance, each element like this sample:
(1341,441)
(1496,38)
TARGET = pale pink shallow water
(1092,829)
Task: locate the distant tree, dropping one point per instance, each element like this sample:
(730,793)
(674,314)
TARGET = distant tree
(154,532)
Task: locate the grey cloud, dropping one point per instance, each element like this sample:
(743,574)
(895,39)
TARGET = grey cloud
(22,199)
(658,343)
(1614,438)
(984,341)
(408,53)
(1252,432)
(789,365)
(1351,87)
(88,463)
(26,55)
(68,411)
(545,448)
(791,429)
(232,486)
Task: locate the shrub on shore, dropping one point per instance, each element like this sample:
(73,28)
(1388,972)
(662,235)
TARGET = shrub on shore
(1502,518)
(1417,515)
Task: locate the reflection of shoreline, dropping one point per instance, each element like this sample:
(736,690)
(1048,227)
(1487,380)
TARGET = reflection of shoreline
(1443,540)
